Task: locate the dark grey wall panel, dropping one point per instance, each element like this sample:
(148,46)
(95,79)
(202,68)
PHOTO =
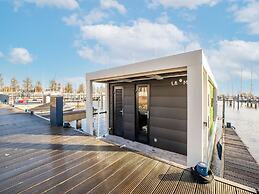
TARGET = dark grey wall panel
(168,123)
(169,101)
(129,111)
(170,134)
(177,91)
(171,145)
(168,113)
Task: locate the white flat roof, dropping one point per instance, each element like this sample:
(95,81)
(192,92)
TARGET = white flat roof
(173,63)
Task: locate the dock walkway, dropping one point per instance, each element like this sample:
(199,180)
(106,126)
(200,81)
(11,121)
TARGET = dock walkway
(239,164)
(35,158)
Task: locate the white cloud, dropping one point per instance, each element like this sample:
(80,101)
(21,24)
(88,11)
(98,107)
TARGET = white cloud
(108,4)
(62,4)
(141,40)
(248,15)
(20,56)
(189,4)
(93,17)
(230,57)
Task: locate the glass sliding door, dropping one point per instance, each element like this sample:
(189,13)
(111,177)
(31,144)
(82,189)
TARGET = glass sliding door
(142,113)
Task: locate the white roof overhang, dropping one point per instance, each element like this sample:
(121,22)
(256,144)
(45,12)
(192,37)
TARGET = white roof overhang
(152,69)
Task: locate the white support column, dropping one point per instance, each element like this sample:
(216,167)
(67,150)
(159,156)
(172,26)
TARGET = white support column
(89,107)
(107,106)
(205,108)
(194,115)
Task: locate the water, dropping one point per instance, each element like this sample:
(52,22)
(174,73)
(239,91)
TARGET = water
(246,122)
(100,124)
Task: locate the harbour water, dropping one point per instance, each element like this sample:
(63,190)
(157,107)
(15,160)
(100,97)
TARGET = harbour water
(246,122)
(99,120)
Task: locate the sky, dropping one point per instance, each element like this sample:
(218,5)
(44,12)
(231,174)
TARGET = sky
(64,39)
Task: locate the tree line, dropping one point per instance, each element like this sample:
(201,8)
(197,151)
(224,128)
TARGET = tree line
(28,86)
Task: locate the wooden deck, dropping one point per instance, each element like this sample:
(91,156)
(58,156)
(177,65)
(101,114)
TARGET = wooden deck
(35,158)
(239,164)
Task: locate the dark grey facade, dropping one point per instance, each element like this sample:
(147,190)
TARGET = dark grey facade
(167,112)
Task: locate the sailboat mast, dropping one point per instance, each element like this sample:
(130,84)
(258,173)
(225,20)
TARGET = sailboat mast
(241,84)
(251,81)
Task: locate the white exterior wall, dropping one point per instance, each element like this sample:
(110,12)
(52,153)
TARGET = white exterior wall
(205,91)
(194,114)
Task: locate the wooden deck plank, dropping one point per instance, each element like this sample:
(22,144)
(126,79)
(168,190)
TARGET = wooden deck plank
(170,181)
(187,184)
(54,165)
(116,178)
(46,151)
(150,182)
(61,173)
(76,175)
(57,160)
(89,183)
(222,188)
(206,188)
(38,150)
(27,166)
(132,181)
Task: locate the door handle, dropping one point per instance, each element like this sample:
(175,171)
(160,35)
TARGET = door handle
(121,112)
(147,113)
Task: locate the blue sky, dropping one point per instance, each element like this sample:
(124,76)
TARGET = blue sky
(64,39)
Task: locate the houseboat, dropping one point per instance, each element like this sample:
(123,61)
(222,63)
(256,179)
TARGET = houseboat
(169,103)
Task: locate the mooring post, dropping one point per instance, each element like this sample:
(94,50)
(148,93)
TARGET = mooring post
(223,113)
(238,102)
(78,124)
(56,111)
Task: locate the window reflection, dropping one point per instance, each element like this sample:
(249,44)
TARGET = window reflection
(142,99)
